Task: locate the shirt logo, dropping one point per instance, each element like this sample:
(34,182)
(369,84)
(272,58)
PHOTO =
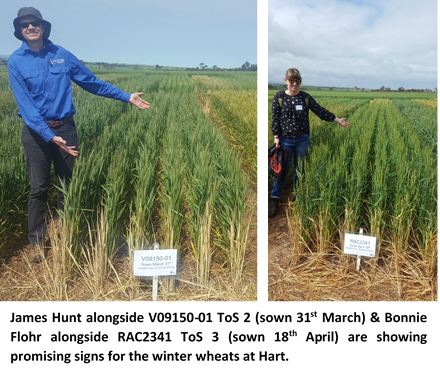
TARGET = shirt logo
(59,61)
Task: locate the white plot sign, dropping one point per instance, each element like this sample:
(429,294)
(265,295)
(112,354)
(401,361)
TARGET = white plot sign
(152,263)
(360,245)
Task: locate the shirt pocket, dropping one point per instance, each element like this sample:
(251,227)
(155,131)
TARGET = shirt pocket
(59,69)
(59,79)
(34,81)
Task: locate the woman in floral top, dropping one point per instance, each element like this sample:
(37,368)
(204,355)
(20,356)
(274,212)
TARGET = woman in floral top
(291,129)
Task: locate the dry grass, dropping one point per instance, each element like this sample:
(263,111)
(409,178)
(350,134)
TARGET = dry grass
(94,276)
(23,281)
(333,277)
(298,271)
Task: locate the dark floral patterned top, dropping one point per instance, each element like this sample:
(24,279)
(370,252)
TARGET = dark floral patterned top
(292,117)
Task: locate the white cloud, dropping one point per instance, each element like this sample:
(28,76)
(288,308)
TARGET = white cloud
(355,43)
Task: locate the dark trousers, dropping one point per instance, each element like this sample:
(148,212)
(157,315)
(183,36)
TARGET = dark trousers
(39,157)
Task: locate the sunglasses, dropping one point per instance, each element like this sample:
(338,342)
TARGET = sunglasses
(25,25)
(292,81)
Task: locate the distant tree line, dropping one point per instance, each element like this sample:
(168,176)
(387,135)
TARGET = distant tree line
(356,89)
(247,67)
(110,66)
(402,89)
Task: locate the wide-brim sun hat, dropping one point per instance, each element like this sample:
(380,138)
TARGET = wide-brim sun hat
(30,11)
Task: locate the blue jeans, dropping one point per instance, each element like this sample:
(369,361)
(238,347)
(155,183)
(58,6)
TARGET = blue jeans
(298,148)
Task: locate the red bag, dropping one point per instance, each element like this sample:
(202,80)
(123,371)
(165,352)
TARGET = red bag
(277,161)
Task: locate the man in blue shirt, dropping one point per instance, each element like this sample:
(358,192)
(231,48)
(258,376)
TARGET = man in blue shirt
(40,74)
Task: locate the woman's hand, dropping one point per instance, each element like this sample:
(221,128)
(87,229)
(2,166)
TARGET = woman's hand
(136,100)
(276,140)
(341,121)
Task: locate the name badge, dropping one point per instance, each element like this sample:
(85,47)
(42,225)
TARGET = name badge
(298,107)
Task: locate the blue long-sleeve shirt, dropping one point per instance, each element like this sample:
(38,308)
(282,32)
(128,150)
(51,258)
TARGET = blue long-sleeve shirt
(42,86)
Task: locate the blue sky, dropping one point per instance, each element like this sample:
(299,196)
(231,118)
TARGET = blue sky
(170,33)
(363,43)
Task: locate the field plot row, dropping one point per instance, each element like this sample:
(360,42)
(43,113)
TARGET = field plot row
(380,175)
(233,106)
(165,175)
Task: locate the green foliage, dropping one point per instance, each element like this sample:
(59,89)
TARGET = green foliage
(163,175)
(231,100)
(380,174)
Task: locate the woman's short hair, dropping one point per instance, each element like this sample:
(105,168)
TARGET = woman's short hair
(293,74)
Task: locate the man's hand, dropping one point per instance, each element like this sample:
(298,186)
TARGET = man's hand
(136,100)
(63,145)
